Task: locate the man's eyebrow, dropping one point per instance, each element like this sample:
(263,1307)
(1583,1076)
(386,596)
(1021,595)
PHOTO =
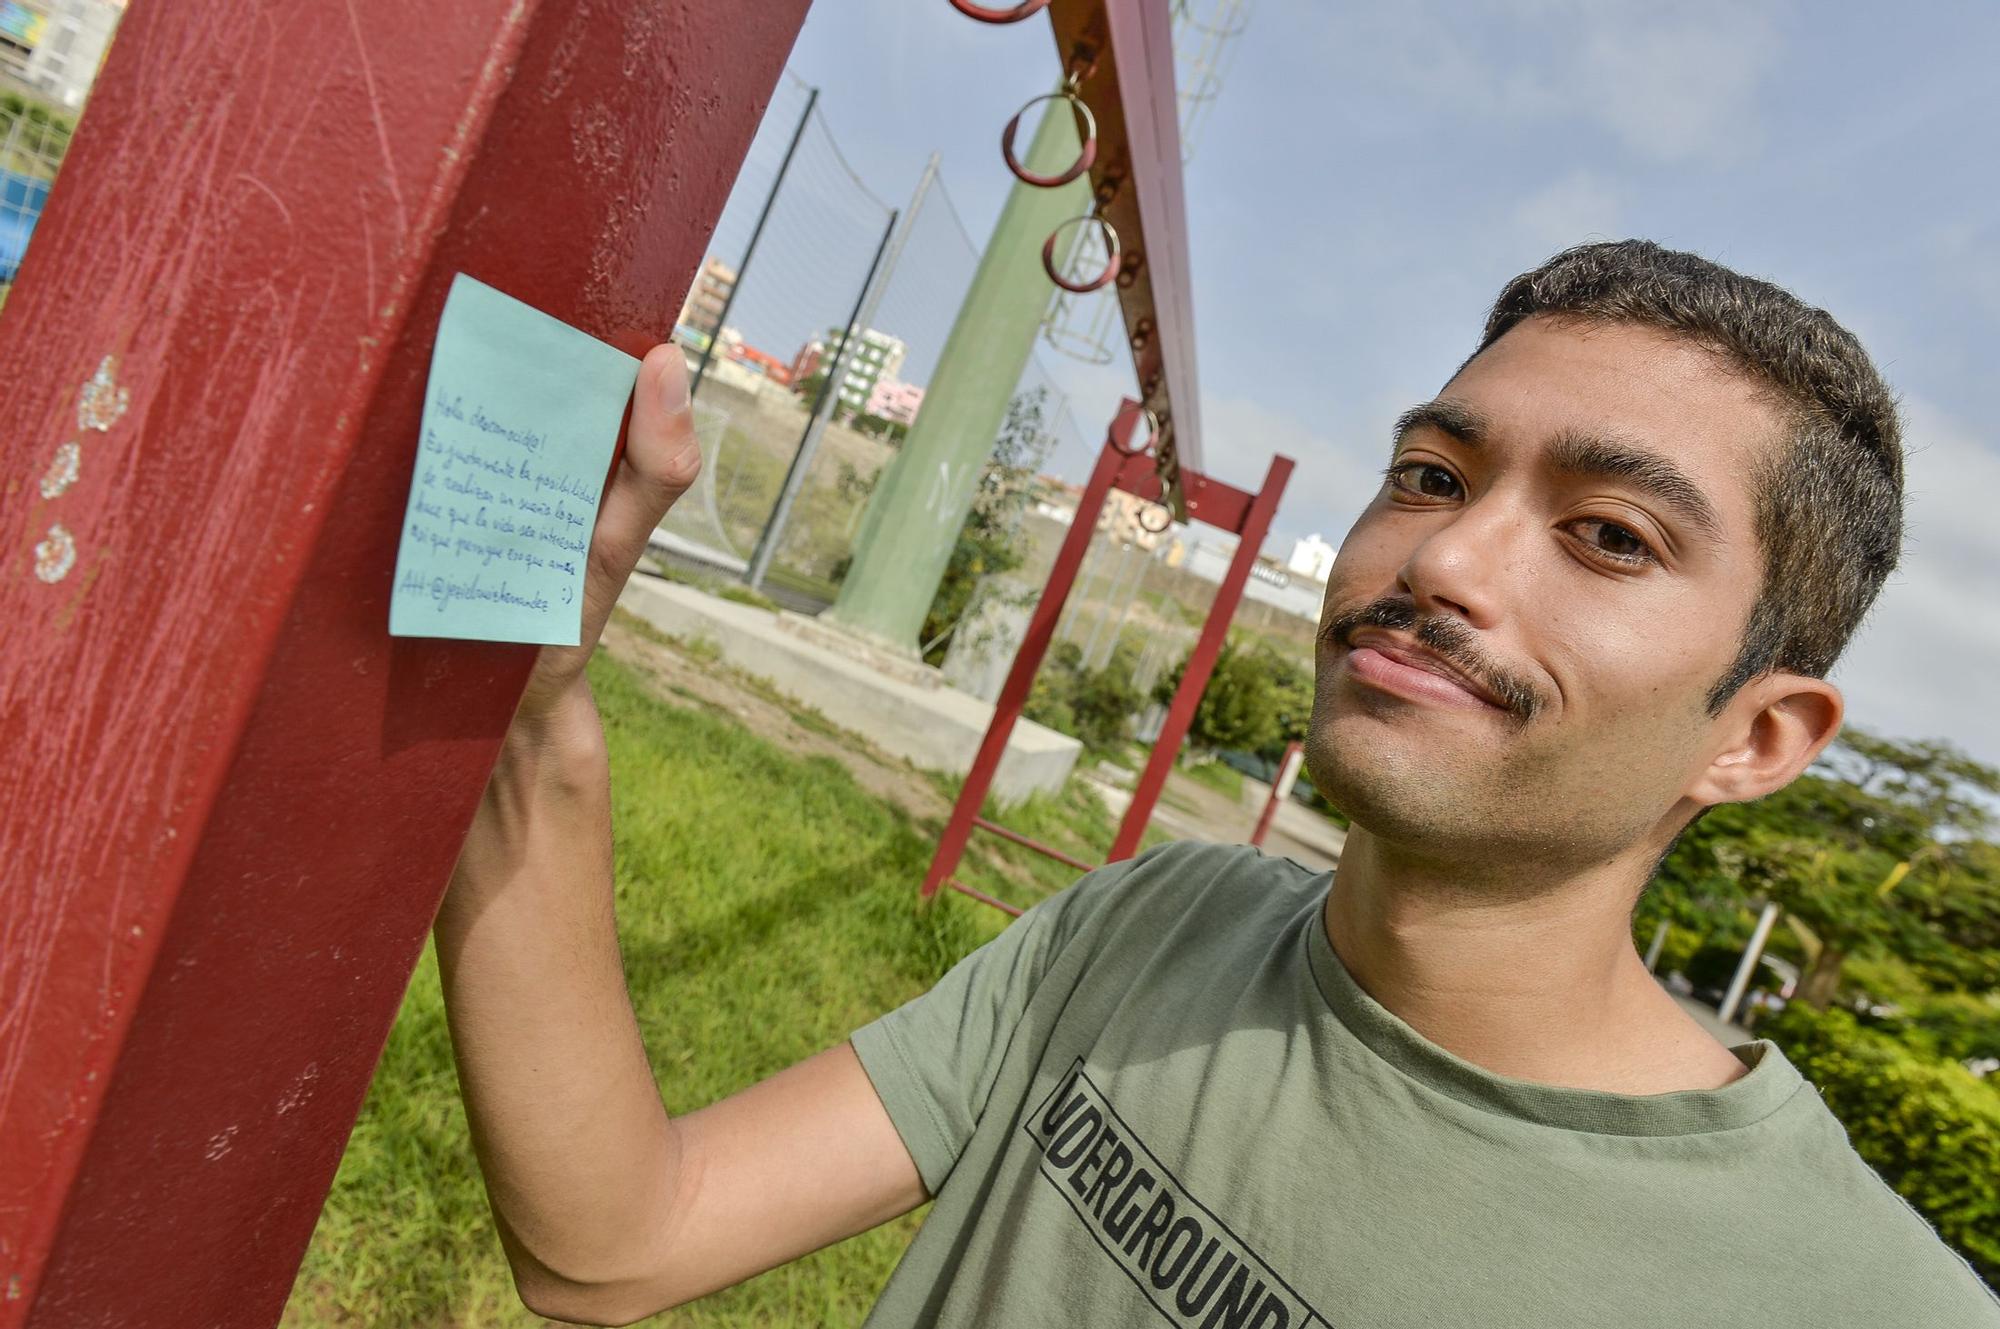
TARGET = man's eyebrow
(1447,416)
(1580,453)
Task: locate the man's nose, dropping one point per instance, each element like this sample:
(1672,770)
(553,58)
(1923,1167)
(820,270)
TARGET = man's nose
(1464,565)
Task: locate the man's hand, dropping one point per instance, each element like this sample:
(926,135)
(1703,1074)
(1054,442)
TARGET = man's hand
(662,458)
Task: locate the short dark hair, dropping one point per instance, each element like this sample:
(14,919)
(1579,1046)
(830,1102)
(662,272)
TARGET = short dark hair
(1830,502)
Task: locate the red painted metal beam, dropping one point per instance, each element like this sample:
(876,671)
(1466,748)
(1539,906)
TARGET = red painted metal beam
(233,801)
(955,884)
(1215,503)
(1281,789)
(1112,459)
(1046,850)
(1133,472)
(1201,661)
(1127,47)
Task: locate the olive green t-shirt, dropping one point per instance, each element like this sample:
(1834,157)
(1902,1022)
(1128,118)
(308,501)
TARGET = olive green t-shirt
(1159,1096)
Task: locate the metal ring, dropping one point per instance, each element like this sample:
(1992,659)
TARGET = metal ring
(1165,512)
(1084,159)
(1152,434)
(986,15)
(1097,283)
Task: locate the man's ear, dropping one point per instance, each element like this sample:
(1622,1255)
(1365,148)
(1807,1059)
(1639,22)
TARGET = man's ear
(1772,730)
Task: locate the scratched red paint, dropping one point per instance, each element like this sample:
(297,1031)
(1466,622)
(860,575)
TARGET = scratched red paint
(231,801)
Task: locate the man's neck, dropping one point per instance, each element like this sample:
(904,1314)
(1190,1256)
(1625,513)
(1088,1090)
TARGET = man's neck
(1542,984)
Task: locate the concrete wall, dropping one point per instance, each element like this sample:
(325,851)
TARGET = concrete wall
(901,706)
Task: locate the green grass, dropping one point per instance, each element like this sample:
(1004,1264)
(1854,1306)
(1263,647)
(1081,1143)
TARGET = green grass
(743,595)
(767,909)
(1074,821)
(1219,776)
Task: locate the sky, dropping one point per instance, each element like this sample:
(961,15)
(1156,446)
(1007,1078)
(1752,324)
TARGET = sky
(1375,170)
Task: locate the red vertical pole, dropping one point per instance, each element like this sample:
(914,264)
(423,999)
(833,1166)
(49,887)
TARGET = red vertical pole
(1281,789)
(1034,645)
(1201,662)
(231,801)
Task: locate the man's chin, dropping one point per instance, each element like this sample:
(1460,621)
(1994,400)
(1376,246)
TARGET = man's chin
(1402,767)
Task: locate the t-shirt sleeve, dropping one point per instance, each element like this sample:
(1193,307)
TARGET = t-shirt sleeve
(933,1060)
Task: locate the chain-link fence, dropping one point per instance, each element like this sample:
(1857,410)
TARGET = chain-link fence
(33,140)
(780,293)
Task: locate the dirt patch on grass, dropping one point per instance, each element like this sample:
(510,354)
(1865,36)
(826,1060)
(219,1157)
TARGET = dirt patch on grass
(684,670)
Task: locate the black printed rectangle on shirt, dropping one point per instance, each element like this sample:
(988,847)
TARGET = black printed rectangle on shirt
(1187,1262)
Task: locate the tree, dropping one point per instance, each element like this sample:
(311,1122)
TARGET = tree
(880,426)
(808,388)
(1872,849)
(990,542)
(1094,705)
(1239,709)
(1292,692)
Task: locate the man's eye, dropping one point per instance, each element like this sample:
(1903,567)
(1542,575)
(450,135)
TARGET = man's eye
(1615,542)
(1424,479)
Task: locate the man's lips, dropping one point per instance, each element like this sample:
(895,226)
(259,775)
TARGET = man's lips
(1402,667)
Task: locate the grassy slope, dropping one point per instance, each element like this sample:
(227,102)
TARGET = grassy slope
(766,908)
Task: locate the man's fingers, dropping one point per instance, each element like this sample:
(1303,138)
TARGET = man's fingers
(662,458)
(661,454)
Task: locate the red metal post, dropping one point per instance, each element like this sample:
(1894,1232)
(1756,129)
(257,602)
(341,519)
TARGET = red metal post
(1130,85)
(1111,460)
(983,898)
(1027,842)
(231,800)
(1201,661)
(1281,789)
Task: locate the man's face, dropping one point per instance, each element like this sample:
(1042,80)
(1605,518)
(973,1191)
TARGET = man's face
(1569,528)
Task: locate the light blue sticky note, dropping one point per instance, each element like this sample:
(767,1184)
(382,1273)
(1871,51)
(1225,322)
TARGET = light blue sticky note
(520,419)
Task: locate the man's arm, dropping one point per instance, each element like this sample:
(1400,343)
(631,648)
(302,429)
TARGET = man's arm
(608,1210)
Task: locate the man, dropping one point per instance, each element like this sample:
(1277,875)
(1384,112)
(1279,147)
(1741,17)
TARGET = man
(1599,591)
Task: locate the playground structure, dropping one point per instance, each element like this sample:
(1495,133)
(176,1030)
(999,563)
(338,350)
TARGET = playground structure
(234,802)
(1135,470)
(1118,66)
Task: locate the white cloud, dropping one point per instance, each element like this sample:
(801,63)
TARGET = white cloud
(1927,664)
(1580,206)
(1970,253)
(1673,83)
(1338,469)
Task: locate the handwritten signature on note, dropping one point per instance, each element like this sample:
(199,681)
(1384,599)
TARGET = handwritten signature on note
(520,418)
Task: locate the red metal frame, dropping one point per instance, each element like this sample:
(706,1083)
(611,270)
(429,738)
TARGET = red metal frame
(1281,789)
(1125,52)
(1120,465)
(232,801)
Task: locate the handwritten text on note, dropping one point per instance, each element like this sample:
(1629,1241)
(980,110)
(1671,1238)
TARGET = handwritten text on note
(520,418)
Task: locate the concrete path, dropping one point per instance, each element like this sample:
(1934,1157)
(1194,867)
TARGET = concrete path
(1192,810)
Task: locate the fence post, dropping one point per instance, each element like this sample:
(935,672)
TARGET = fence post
(750,249)
(864,317)
(823,406)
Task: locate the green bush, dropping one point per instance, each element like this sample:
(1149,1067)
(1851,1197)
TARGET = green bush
(1239,709)
(1094,705)
(1930,1128)
(1957,1025)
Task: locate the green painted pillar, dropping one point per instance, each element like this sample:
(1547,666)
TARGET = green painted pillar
(922,497)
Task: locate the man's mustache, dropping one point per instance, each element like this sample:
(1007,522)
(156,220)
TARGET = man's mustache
(1450,638)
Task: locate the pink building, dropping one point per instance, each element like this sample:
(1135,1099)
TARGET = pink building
(894,400)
